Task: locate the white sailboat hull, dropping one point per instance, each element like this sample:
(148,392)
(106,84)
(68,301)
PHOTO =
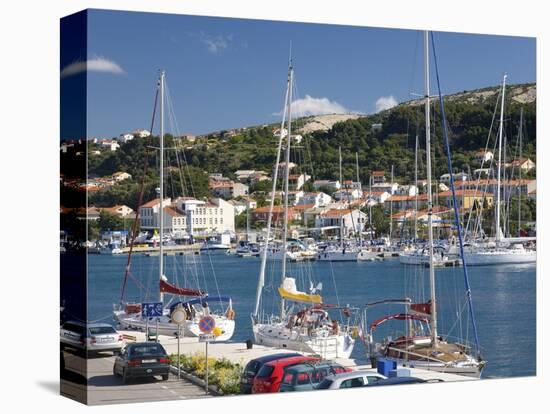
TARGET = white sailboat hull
(469,367)
(497,257)
(338,256)
(367,255)
(326,345)
(165,327)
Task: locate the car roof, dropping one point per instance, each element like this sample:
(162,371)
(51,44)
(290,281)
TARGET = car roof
(399,380)
(274,357)
(292,360)
(307,367)
(90,325)
(355,374)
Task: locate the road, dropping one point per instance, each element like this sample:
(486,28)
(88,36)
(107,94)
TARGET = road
(105,388)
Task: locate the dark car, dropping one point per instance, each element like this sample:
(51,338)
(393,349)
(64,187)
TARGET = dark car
(253,366)
(142,359)
(307,376)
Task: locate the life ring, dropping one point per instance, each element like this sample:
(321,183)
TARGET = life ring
(230,314)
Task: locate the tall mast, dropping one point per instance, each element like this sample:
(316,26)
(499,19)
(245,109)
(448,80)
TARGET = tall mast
(161,207)
(391,203)
(416,185)
(500,131)
(342,192)
(520,155)
(287,168)
(370,206)
(433,314)
(361,190)
(261,278)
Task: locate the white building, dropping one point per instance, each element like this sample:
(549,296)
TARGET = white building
(409,190)
(297,181)
(141,133)
(124,138)
(331,184)
(352,220)
(111,144)
(318,199)
(121,176)
(191,216)
(229,189)
(385,187)
(347,194)
(461,176)
(376,197)
(483,156)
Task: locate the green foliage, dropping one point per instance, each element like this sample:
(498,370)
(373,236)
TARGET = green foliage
(222,373)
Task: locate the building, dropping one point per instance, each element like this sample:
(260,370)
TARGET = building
(461,176)
(376,197)
(347,194)
(328,184)
(385,187)
(191,216)
(118,210)
(121,176)
(466,199)
(297,181)
(124,138)
(110,144)
(352,221)
(141,133)
(378,177)
(525,164)
(410,190)
(483,156)
(317,199)
(228,189)
(262,213)
(405,202)
(241,205)
(188,137)
(512,187)
(354,185)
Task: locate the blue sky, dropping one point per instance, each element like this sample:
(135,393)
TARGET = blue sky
(226,73)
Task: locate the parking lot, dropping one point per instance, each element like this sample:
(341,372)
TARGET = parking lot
(105,388)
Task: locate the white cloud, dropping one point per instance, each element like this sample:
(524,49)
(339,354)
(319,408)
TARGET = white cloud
(315,106)
(385,102)
(97,64)
(215,44)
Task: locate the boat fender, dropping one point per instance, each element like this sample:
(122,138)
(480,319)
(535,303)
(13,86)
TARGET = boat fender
(354,332)
(230,314)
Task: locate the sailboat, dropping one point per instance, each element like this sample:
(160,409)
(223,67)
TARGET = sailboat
(302,323)
(129,315)
(421,345)
(502,251)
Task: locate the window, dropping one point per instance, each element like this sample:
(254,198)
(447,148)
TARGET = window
(372,379)
(352,383)
(303,378)
(265,371)
(99,330)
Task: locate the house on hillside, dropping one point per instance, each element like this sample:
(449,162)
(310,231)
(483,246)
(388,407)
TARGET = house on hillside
(121,176)
(297,181)
(483,156)
(317,199)
(378,177)
(330,184)
(120,210)
(525,164)
(352,221)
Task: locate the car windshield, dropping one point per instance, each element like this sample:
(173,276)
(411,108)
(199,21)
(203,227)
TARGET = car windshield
(147,349)
(101,330)
(325,384)
(265,371)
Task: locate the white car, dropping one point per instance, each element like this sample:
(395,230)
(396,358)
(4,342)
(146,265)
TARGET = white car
(93,337)
(350,380)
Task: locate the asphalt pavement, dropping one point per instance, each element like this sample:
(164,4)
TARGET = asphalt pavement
(105,388)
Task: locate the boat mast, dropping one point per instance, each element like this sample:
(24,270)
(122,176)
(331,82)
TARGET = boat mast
(391,204)
(370,206)
(261,278)
(361,190)
(416,185)
(500,131)
(342,192)
(520,154)
(287,169)
(161,207)
(433,313)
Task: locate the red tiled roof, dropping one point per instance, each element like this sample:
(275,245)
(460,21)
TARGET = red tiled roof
(336,212)
(467,193)
(378,173)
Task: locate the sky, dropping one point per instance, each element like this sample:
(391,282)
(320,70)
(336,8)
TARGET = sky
(227,73)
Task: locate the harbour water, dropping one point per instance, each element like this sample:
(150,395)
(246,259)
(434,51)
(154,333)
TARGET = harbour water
(504,296)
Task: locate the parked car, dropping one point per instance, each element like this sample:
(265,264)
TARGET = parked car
(93,337)
(350,380)
(253,366)
(403,380)
(142,359)
(270,375)
(307,376)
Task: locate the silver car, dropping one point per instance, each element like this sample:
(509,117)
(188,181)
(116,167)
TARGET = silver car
(350,380)
(93,337)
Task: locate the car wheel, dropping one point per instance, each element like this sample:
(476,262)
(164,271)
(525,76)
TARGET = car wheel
(164,377)
(124,376)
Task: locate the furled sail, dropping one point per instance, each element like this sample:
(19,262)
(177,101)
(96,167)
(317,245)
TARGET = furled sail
(288,291)
(166,287)
(422,308)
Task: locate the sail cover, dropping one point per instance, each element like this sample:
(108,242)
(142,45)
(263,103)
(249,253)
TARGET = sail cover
(422,308)
(174,290)
(288,291)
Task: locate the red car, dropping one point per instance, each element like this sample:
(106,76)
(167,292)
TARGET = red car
(270,375)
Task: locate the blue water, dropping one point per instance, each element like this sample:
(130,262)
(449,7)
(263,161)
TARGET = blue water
(504,296)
